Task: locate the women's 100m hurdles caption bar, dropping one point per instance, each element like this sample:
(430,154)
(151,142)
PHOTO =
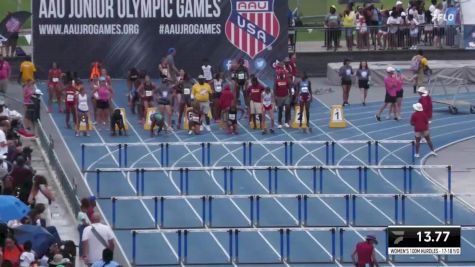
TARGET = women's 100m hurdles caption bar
(424,240)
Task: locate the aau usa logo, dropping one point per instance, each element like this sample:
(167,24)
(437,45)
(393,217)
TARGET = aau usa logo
(252,25)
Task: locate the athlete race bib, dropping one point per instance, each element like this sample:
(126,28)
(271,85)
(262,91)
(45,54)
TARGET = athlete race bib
(186,91)
(241,76)
(218,88)
(195,118)
(69,98)
(232,117)
(348,72)
(164,94)
(364,74)
(304,90)
(148,93)
(55,80)
(165,72)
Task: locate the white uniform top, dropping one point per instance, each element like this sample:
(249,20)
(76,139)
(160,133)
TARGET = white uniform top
(207,72)
(82,103)
(266,99)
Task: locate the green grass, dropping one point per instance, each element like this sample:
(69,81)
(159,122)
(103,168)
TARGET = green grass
(10,6)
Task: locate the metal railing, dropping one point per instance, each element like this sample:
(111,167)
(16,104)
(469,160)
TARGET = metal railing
(69,186)
(387,37)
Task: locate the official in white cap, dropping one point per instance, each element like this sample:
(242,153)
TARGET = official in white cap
(426,102)
(391,85)
(420,122)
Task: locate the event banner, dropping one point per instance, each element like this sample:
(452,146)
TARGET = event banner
(469,36)
(138,33)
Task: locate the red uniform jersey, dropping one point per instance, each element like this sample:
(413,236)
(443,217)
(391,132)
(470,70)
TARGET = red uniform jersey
(54,75)
(426,102)
(282,87)
(70,95)
(420,121)
(364,250)
(255,92)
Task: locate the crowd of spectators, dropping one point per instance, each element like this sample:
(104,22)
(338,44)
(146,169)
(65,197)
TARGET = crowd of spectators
(397,27)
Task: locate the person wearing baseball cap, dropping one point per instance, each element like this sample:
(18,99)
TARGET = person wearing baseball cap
(420,122)
(391,83)
(426,102)
(364,254)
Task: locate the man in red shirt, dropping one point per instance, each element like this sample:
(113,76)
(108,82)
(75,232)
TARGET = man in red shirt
(255,107)
(421,128)
(426,102)
(70,100)
(282,99)
(364,251)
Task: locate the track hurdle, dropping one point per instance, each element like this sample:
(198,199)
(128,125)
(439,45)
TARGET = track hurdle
(247,150)
(229,175)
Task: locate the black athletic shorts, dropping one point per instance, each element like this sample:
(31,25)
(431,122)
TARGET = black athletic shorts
(389,99)
(363,84)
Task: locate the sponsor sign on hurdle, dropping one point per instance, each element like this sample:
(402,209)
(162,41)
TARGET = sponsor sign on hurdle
(124,118)
(258,122)
(296,121)
(148,122)
(84,122)
(337,117)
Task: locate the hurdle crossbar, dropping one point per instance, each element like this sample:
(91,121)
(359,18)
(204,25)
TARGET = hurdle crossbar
(317,173)
(220,168)
(330,147)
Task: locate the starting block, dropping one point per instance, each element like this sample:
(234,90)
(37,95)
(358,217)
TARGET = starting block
(148,122)
(258,121)
(296,122)
(124,118)
(337,117)
(185,117)
(84,123)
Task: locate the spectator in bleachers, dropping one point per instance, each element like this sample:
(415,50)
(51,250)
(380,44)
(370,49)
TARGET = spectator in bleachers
(4,127)
(83,220)
(348,24)
(374,21)
(27,257)
(22,179)
(5,72)
(40,193)
(96,237)
(332,24)
(413,31)
(382,36)
(393,23)
(362,29)
(439,24)
(12,251)
(107,259)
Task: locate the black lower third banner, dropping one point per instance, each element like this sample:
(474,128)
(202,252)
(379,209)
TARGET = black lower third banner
(424,240)
(138,33)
